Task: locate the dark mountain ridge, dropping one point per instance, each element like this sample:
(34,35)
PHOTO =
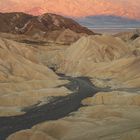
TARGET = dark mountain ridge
(21,23)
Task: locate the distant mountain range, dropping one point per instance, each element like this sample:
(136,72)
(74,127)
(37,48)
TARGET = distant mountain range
(74,8)
(110,21)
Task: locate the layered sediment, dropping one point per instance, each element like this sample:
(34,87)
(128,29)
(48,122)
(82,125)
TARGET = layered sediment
(51,106)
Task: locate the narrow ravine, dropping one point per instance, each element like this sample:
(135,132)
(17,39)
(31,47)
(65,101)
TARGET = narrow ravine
(57,108)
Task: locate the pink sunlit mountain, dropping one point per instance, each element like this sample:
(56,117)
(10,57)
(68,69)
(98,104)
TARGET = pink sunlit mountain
(78,8)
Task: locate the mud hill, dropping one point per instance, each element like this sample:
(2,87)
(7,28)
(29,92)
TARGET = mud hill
(28,79)
(23,79)
(129,36)
(104,58)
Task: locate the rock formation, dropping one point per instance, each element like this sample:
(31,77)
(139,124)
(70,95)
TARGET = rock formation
(33,48)
(24,81)
(46,26)
(128,36)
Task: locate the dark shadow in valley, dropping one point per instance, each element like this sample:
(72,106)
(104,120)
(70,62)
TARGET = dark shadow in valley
(57,108)
(33,42)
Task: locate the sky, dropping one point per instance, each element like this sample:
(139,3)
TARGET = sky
(74,8)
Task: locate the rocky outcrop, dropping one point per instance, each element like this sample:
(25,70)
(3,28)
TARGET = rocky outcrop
(12,21)
(114,98)
(136,42)
(46,26)
(129,36)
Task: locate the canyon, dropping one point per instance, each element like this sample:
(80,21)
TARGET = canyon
(61,81)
